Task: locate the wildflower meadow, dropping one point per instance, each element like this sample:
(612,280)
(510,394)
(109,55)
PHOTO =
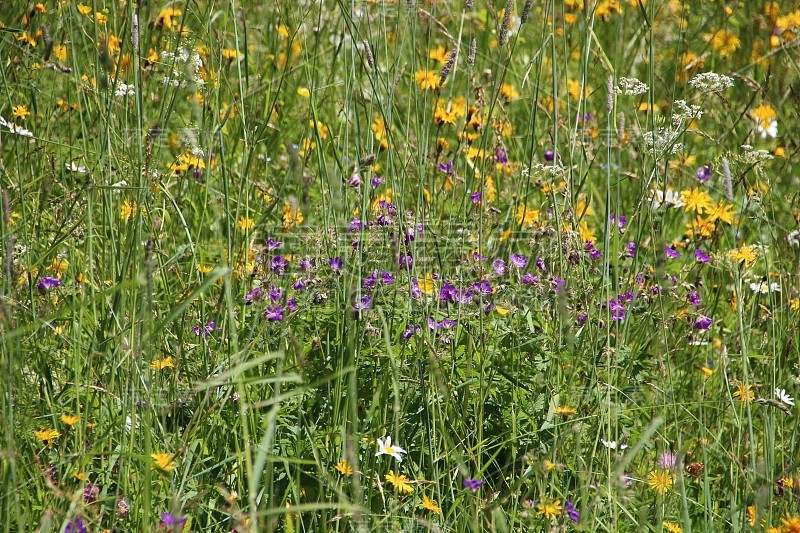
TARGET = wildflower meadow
(400,265)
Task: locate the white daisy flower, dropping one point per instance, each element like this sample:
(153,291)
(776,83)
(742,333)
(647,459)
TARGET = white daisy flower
(385,448)
(612,445)
(782,397)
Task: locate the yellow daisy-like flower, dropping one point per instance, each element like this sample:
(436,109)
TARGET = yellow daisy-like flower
(764,114)
(791,524)
(508,91)
(164,461)
(722,212)
(745,255)
(438,54)
(672,527)
(60,52)
(696,200)
(47,435)
(161,364)
(400,482)
(344,467)
(526,216)
(660,480)
(165,17)
(128,210)
(229,53)
(20,111)
(751,515)
(430,505)
(426,79)
(744,392)
(550,509)
(565,410)
(724,42)
(70,420)
(245,224)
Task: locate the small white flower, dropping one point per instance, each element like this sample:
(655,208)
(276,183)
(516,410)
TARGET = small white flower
(770,131)
(385,448)
(72,167)
(764,288)
(612,445)
(670,199)
(794,238)
(782,397)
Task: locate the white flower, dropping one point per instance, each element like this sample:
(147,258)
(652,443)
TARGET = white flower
(783,397)
(612,445)
(72,167)
(385,448)
(630,87)
(771,131)
(710,81)
(763,288)
(670,199)
(123,90)
(794,238)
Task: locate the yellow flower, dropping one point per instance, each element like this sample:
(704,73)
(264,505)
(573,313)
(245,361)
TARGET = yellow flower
(291,216)
(508,91)
(764,114)
(166,15)
(100,18)
(549,465)
(229,53)
(161,364)
(426,79)
(751,515)
(707,371)
(378,128)
(672,527)
(791,524)
(565,410)
(70,420)
(245,224)
(660,480)
(60,52)
(163,461)
(344,467)
(304,92)
(723,41)
(128,209)
(526,216)
(696,200)
(400,482)
(502,311)
(744,392)
(444,113)
(426,285)
(430,505)
(84,10)
(20,111)
(586,233)
(47,435)
(721,211)
(550,509)
(744,255)
(438,54)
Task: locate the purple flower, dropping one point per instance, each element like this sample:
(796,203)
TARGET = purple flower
(447,293)
(409,331)
(620,220)
(91,493)
(671,253)
(279,264)
(475,197)
(305,265)
(631,249)
(47,283)
(702,323)
(406,261)
(519,261)
(499,266)
(694,299)
(473,484)
(123,508)
(704,173)
(274,293)
(299,285)
(355,225)
(273,244)
(170,522)
(500,156)
(416,292)
(375,182)
(291,304)
(529,279)
(354,181)
(483,287)
(447,168)
(617,311)
(582,318)
(667,461)
(571,512)
(387,278)
(75,526)
(559,285)
(208,328)
(335,263)
(595,254)
(363,304)
(540,264)
(549,156)
(701,256)
(255,294)
(274,313)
